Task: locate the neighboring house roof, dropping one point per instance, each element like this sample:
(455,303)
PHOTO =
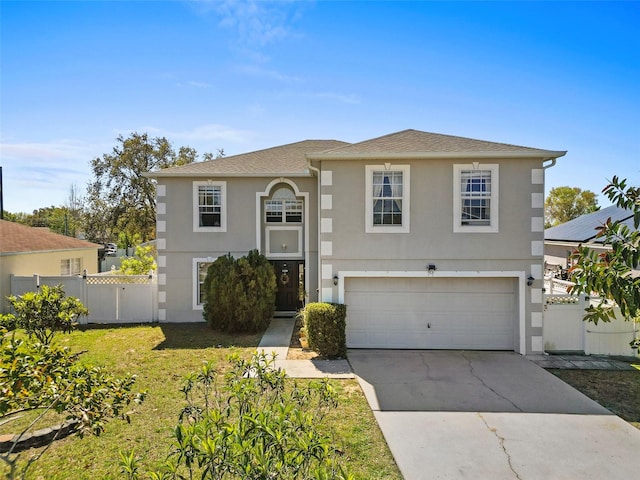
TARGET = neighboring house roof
(417,144)
(583,228)
(292,159)
(285,160)
(19,238)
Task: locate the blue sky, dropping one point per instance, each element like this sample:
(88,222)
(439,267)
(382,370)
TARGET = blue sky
(246,75)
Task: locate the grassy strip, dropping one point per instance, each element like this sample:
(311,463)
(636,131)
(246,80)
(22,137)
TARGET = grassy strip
(616,390)
(161,356)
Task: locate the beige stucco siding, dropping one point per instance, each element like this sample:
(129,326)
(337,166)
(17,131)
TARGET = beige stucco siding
(41,263)
(180,245)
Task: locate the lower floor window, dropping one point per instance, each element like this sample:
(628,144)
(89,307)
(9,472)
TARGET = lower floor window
(71,266)
(201,274)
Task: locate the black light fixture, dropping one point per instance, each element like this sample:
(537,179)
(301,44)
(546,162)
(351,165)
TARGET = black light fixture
(431,268)
(335,279)
(530,280)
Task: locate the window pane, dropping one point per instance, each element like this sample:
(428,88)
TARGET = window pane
(202,274)
(210,205)
(475,192)
(387,198)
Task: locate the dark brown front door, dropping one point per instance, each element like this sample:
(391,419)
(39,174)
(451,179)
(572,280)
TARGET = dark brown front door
(289,278)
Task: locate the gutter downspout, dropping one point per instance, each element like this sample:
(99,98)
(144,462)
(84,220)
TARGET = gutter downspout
(553,162)
(319,261)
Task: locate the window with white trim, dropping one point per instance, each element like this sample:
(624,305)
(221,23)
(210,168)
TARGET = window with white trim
(387,202)
(71,266)
(209,206)
(475,197)
(283,207)
(200,266)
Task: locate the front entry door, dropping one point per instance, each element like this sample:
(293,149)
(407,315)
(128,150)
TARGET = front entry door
(289,279)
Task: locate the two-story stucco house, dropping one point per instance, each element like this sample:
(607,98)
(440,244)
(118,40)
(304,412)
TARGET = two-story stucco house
(432,241)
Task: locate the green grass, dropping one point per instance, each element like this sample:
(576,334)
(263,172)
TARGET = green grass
(161,356)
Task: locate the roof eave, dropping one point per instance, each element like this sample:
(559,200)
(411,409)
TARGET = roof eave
(541,154)
(161,174)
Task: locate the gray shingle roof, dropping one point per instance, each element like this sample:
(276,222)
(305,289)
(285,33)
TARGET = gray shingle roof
(583,228)
(283,160)
(417,143)
(291,159)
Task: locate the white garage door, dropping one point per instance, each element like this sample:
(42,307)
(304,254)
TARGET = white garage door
(431,313)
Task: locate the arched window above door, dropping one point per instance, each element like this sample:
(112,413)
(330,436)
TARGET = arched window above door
(283,207)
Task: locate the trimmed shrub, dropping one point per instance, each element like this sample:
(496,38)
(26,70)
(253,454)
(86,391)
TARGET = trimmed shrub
(325,324)
(240,294)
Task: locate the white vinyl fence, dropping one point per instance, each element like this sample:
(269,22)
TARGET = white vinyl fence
(109,298)
(564,329)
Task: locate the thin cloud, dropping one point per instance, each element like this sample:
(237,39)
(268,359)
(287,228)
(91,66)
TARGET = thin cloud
(261,72)
(203,133)
(256,23)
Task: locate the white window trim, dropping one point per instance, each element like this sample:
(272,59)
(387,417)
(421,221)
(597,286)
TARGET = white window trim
(458,227)
(284,212)
(406,198)
(196,280)
(223,210)
(70,264)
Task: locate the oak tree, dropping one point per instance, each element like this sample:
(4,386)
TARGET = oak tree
(120,198)
(566,203)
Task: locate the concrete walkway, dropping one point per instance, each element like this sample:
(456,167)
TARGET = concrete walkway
(276,341)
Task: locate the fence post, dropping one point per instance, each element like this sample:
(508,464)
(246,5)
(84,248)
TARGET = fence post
(583,299)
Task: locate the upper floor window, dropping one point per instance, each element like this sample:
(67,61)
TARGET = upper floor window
(209,206)
(387,202)
(475,198)
(283,207)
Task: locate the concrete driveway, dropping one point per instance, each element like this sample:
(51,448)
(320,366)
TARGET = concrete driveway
(490,415)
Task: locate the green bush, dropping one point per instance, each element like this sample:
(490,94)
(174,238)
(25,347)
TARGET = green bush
(43,313)
(240,294)
(325,324)
(250,423)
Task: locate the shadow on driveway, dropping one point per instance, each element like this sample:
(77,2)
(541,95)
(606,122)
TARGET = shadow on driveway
(463,381)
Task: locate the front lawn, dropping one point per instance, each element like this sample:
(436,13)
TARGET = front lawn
(161,356)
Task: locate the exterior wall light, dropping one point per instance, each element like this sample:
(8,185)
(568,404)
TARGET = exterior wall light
(335,279)
(431,268)
(530,280)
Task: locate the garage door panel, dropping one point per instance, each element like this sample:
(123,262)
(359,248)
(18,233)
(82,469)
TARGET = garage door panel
(456,313)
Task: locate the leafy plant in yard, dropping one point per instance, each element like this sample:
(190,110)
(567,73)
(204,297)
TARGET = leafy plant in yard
(240,294)
(41,377)
(252,425)
(610,273)
(41,314)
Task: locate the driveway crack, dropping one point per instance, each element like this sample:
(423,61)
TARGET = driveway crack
(473,374)
(501,440)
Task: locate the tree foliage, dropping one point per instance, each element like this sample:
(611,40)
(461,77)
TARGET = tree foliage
(240,294)
(252,425)
(120,198)
(41,314)
(141,263)
(610,274)
(566,203)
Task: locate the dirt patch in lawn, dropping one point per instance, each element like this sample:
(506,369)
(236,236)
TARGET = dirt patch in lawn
(618,391)
(296,352)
